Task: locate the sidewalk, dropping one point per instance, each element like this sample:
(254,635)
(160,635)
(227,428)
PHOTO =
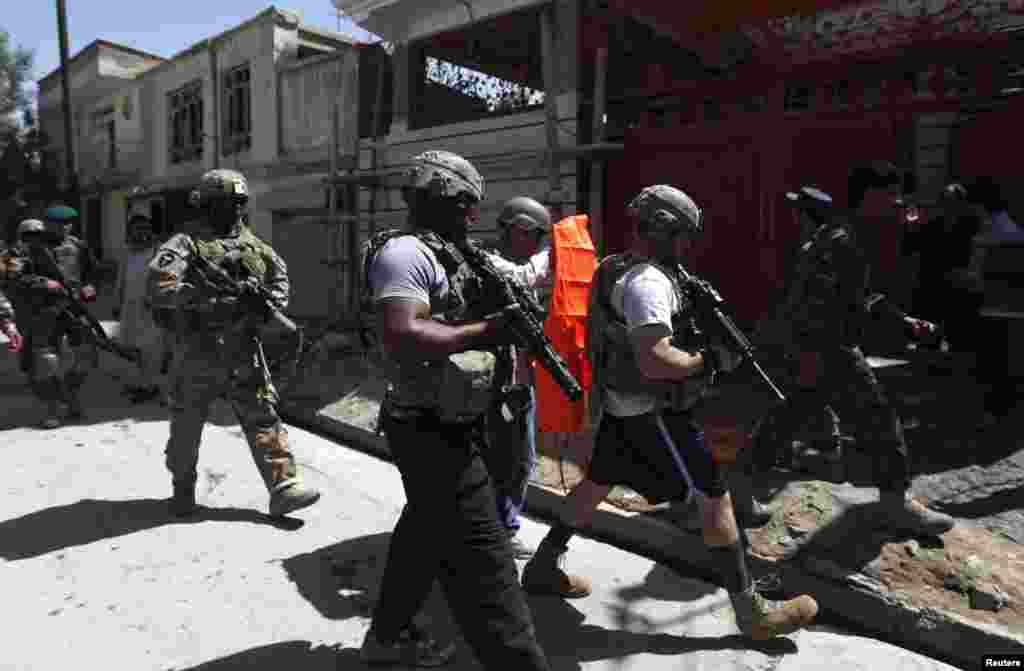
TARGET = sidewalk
(808,543)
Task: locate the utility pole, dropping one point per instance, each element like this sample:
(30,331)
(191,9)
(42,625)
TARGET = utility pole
(65,84)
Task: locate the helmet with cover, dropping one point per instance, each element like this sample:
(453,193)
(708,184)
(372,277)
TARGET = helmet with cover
(664,212)
(442,174)
(525,213)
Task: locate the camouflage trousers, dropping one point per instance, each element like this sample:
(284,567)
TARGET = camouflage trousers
(57,359)
(204,369)
(846,383)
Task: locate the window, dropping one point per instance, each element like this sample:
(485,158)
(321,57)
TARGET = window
(185,124)
(488,69)
(237,135)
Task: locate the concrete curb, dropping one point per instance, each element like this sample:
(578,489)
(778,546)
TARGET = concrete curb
(841,594)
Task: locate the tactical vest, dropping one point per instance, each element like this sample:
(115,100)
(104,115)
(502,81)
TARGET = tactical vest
(459,388)
(611,353)
(241,257)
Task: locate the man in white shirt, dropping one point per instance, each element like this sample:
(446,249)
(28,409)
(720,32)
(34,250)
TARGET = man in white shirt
(525,227)
(137,328)
(651,367)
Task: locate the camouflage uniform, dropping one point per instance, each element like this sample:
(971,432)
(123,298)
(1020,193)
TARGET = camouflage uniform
(216,348)
(26,270)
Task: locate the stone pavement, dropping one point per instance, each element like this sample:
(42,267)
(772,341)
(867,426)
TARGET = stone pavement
(339,395)
(96,575)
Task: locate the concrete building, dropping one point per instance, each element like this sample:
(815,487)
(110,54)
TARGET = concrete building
(255,98)
(735,102)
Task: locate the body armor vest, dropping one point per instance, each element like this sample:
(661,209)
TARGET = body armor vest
(460,387)
(611,353)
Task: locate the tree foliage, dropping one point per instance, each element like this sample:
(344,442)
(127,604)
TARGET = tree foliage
(15,72)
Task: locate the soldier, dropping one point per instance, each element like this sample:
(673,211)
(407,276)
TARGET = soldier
(651,367)
(812,208)
(525,225)
(41,271)
(829,323)
(441,337)
(217,350)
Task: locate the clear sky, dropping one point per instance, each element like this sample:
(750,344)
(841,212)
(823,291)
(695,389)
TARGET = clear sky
(162,27)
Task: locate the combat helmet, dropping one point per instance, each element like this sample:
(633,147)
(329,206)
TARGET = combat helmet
(665,211)
(442,174)
(220,186)
(31,226)
(526,213)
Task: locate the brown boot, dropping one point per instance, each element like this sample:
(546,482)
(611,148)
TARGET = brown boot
(761,619)
(542,575)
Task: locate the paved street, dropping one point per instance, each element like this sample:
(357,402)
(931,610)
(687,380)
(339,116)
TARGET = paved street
(96,575)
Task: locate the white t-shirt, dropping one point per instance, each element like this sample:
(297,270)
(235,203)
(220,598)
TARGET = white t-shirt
(643,296)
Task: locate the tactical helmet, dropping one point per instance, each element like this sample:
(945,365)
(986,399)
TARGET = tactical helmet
(220,186)
(30,226)
(443,174)
(525,213)
(665,211)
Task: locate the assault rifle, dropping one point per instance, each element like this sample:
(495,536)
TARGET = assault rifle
(222,281)
(77,312)
(218,278)
(707,300)
(524,313)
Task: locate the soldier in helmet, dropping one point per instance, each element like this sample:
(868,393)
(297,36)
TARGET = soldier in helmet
(525,227)
(40,271)
(651,367)
(832,309)
(441,338)
(216,343)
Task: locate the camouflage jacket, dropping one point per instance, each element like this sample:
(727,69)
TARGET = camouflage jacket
(178,291)
(831,300)
(24,272)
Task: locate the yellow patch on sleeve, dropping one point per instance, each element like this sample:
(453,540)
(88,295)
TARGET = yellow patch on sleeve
(167,280)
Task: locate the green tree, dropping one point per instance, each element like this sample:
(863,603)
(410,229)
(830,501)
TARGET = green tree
(15,73)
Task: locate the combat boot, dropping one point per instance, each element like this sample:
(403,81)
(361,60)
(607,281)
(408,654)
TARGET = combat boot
(900,512)
(761,619)
(183,503)
(51,420)
(543,575)
(291,496)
